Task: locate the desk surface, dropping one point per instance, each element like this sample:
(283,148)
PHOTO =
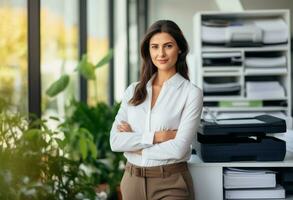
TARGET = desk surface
(288,162)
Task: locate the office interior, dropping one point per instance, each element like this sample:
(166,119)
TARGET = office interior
(49,137)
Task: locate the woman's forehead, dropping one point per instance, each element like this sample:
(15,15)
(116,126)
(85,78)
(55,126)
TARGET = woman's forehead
(162,38)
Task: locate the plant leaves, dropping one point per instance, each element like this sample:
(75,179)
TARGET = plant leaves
(58,86)
(93,150)
(83,147)
(105,59)
(86,69)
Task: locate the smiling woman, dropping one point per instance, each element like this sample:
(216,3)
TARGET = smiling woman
(164,51)
(158,118)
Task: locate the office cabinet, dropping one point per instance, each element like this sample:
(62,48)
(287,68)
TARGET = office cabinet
(208,177)
(243,62)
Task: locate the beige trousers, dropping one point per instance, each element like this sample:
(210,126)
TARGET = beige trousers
(176,186)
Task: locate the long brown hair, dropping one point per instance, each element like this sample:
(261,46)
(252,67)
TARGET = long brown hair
(148,68)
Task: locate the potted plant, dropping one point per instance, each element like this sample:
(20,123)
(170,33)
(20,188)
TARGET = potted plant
(97,121)
(37,164)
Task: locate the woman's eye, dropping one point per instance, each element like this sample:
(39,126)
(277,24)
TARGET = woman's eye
(169,46)
(154,47)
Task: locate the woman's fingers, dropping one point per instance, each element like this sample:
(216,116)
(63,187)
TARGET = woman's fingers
(124,127)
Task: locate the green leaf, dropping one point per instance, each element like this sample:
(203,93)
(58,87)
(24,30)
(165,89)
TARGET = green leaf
(82,147)
(93,149)
(86,69)
(54,118)
(105,59)
(31,133)
(58,86)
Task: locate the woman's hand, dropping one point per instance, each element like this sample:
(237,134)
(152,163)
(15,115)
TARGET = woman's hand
(138,152)
(124,127)
(163,136)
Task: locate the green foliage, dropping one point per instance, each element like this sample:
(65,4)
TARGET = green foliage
(97,120)
(36,164)
(105,60)
(87,132)
(58,86)
(86,69)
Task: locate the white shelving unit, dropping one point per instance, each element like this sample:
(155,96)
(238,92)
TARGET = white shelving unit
(239,73)
(208,177)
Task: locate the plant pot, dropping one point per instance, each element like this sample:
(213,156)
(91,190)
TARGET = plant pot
(119,194)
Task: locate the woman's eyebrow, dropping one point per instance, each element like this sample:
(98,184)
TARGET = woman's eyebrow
(171,42)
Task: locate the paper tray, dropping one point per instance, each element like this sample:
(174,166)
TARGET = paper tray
(265,149)
(243,126)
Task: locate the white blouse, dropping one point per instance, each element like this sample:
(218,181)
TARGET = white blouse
(178,106)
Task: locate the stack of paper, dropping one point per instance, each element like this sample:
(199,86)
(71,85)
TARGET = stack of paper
(242,114)
(222,58)
(259,90)
(251,184)
(221,87)
(243,178)
(265,65)
(264,193)
(275,30)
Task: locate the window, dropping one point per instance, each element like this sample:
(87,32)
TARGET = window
(120,46)
(13,54)
(134,51)
(59,51)
(98,46)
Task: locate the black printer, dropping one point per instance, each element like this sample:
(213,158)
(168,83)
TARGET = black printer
(241,139)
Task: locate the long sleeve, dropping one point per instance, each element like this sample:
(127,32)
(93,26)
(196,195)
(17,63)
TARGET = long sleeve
(127,141)
(180,145)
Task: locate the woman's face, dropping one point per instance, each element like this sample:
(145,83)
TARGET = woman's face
(164,51)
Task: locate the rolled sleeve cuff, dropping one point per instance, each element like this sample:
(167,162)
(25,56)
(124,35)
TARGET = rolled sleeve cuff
(144,153)
(148,138)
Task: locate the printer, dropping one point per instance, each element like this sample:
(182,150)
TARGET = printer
(241,139)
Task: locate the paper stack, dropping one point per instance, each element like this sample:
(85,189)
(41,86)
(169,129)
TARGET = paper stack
(251,184)
(259,90)
(221,88)
(265,65)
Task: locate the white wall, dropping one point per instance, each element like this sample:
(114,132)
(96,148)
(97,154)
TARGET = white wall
(179,11)
(182,11)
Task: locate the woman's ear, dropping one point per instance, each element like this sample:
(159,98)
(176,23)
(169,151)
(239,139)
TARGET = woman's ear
(179,52)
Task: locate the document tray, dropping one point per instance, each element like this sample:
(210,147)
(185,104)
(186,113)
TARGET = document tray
(242,149)
(258,125)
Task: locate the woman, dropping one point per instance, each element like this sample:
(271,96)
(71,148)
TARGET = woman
(158,120)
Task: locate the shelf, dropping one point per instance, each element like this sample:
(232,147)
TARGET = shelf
(264,73)
(210,175)
(236,109)
(242,74)
(221,74)
(247,13)
(278,47)
(238,98)
(222,69)
(288,162)
(288,197)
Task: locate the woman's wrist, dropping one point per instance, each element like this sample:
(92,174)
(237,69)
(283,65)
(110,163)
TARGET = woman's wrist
(163,136)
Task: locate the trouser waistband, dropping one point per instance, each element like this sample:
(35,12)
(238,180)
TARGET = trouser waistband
(155,172)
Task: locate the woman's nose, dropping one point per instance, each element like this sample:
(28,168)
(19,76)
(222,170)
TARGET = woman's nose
(161,52)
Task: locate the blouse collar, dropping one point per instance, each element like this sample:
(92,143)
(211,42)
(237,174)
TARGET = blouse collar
(176,80)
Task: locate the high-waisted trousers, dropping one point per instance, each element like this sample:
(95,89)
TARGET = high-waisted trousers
(167,182)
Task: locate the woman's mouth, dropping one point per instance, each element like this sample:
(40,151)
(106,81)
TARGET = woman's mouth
(162,61)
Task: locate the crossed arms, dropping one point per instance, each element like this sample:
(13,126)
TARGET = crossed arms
(158,145)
